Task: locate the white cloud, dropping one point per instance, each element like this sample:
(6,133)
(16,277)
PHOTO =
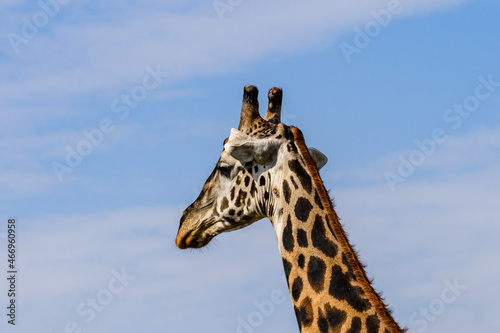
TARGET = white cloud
(27,159)
(23,170)
(477,149)
(105,53)
(426,232)
(19,184)
(68,258)
(93,53)
(474,151)
(423,234)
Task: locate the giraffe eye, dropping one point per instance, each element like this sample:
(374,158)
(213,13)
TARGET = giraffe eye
(225,171)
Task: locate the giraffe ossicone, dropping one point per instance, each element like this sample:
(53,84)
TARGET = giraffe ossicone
(266,170)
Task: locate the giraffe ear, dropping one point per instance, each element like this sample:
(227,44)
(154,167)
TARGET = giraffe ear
(318,157)
(245,148)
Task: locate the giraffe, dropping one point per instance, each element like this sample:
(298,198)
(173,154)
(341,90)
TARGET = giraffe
(266,170)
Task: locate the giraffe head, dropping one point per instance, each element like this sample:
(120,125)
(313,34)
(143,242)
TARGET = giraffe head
(242,187)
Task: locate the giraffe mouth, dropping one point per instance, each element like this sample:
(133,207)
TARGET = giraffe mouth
(190,235)
(192,240)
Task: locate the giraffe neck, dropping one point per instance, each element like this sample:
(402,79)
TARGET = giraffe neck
(328,285)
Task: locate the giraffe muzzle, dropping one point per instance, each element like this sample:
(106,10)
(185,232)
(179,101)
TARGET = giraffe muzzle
(191,240)
(189,237)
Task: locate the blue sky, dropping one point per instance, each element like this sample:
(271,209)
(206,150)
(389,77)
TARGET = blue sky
(146,92)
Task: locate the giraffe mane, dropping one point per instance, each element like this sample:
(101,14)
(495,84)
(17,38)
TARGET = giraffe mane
(335,225)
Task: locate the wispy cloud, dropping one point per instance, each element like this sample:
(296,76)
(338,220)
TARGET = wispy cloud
(459,153)
(68,259)
(427,231)
(28,159)
(101,51)
(89,54)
